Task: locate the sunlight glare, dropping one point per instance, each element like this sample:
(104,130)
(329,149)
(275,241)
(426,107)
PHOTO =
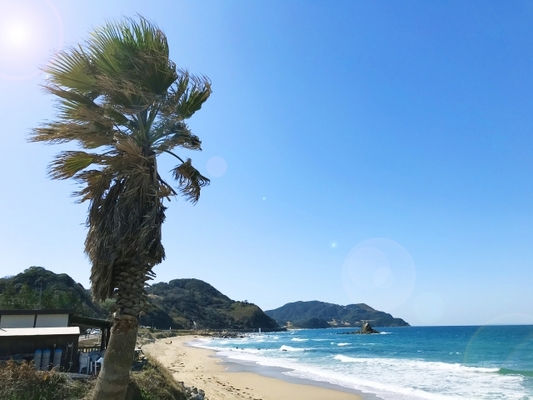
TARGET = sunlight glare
(17,35)
(30,32)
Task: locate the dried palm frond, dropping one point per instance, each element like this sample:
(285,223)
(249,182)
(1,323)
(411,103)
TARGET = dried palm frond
(190,181)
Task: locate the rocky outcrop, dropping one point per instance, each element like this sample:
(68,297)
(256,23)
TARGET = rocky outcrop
(366,329)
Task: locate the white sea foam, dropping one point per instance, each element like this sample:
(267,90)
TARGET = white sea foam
(406,379)
(424,380)
(414,364)
(289,348)
(299,339)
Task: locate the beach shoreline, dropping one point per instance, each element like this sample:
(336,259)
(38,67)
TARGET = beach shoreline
(220,380)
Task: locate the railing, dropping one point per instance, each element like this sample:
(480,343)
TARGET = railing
(89,349)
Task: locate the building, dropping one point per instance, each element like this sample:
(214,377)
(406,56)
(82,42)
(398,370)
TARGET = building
(23,332)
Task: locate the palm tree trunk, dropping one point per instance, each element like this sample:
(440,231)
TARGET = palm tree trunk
(114,378)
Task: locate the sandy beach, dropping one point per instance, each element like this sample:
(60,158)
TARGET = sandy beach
(198,367)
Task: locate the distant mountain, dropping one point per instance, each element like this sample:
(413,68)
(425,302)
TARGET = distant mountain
(313,323)
(182,303)
(334,314)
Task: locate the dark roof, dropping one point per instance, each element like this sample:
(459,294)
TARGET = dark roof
(47,331)
(34,312)
(100,323)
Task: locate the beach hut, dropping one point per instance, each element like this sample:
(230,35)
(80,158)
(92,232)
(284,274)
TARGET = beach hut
(57,346)
(40,334)
(50,337)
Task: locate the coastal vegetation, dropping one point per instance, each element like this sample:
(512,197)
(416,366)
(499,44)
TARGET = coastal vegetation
(20,381)
(38,288)
(123,103)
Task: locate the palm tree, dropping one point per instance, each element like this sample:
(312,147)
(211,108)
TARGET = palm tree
(123,102)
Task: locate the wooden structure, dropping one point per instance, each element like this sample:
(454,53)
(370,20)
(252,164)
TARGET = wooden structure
(22,332)
(25,341)
(85,323)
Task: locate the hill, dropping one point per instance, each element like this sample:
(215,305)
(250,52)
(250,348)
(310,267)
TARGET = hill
(178,304)
(312,323)
(37,287)
(186,303)
(336,315)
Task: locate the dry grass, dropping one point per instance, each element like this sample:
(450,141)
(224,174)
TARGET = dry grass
(154,382)
(20,381)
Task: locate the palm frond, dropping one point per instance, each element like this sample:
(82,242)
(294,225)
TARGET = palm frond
(93,184)
(69,163)
(134,51)
(89,135)
(190,181)
(78,106)
(177,134)
(71,69)
(187,95)
(194,98)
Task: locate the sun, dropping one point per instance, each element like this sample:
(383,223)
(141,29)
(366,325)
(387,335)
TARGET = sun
(30,32)
(17,35)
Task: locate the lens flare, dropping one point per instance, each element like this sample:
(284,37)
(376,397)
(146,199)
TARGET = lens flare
(217,166)
(379,272)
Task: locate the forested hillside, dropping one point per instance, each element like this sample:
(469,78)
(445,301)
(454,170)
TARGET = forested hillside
(187,303)
(334,314)
(179,304)
(37,288)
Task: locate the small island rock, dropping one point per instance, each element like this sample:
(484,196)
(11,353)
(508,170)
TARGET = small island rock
(367,328)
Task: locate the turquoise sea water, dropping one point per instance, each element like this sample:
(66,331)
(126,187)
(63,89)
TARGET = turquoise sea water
(487,362)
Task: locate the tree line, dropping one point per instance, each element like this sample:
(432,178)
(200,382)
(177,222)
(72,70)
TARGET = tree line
(23,297)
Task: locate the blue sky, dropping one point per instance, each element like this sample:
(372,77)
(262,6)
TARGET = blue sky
(376,152)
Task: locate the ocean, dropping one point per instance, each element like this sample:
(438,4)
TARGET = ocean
(461,362)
